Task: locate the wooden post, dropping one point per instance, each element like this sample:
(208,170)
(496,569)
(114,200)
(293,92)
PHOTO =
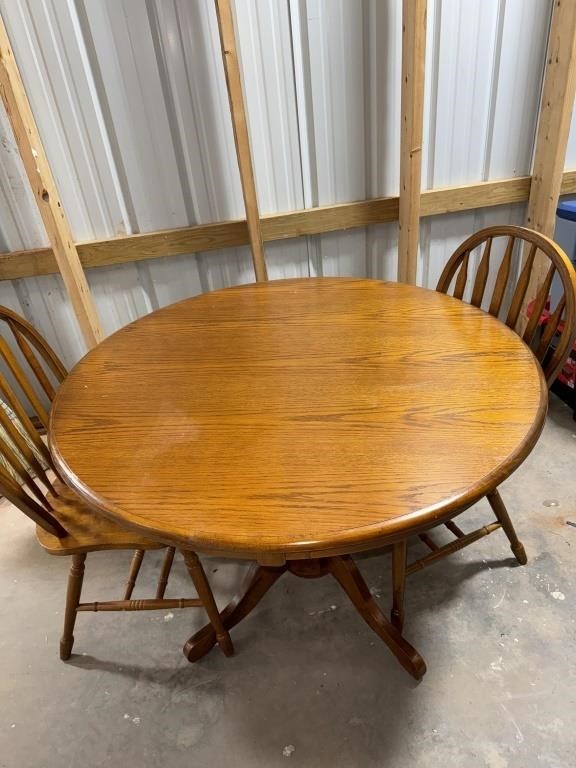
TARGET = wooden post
(553,128)
(412,108)
(45,192)
(241,138)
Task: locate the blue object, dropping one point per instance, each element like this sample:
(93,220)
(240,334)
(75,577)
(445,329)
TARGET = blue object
(567,210)
(565,236)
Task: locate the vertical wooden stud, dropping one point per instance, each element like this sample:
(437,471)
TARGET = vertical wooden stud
(412,109)
(241,137)
(45,192)
(553,128)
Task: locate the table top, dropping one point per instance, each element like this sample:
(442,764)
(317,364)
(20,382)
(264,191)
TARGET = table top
(298,418)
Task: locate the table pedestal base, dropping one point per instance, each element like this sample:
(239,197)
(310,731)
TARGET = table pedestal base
(261,577)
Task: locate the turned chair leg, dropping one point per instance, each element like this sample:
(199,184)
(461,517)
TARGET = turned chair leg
(495,501)
(75,579)
(134,571)
(204,590)
(165,572)
(398,584)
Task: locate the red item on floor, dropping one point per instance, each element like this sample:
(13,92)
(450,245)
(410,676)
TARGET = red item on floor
(567,375)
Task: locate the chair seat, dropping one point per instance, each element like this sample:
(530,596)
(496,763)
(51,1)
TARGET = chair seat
(88,529)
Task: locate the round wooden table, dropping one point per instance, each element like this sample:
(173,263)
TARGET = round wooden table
(296,422)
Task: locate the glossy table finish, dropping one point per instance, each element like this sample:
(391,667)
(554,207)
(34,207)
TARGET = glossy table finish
(298,419)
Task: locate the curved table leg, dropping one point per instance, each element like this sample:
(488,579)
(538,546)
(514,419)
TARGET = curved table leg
(261,577)
(258,581)
(352,582)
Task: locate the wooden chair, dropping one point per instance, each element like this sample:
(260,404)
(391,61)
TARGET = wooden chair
(551,346)
(65,524)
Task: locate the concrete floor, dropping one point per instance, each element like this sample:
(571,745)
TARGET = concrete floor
(310,685)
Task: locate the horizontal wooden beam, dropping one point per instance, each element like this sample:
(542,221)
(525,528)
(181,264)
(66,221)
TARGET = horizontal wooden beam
(278,226)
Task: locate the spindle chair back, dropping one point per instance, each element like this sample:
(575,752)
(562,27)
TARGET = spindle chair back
(66,524)
(507,298)
(504,297)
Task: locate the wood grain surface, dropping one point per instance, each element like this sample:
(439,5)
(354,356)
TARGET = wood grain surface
(241,134)
(411,125)
(298,418)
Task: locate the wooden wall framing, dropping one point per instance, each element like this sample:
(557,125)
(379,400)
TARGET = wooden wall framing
(556,107)
(241,136)
(45,192)
(412,116)
(541,189)
(277,226)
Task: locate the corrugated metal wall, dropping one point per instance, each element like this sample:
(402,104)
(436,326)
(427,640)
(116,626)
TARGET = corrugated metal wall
(130,99)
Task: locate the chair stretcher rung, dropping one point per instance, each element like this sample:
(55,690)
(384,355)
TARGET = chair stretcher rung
(453,546)
(429,541)
(141,605)
(451,525)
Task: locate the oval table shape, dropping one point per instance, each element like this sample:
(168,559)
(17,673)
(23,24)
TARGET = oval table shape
(299,420)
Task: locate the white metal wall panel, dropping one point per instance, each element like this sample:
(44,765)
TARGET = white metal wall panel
(135,119)
(351,67)
(383,59)
(41,300)
(56,77)
(136,73)
(131,103)
(60,86)
(20,223)
(484,73)
(519,68)
(264,39)
(265,43)
(336,81)
(570,163)
(459,83)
